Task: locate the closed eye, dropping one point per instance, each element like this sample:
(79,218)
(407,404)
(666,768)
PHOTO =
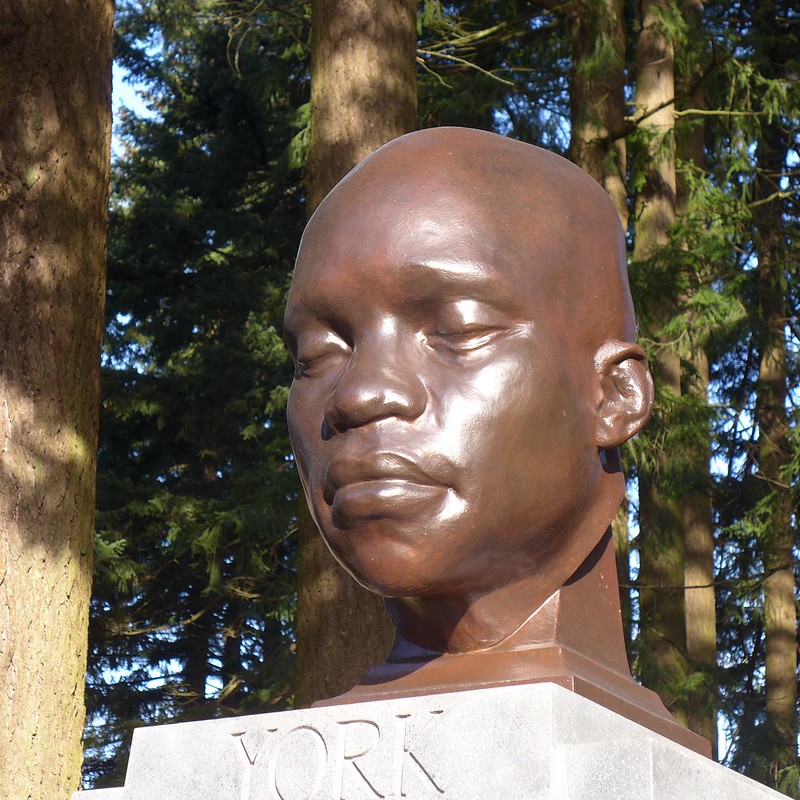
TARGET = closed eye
(464,340)
(317,354)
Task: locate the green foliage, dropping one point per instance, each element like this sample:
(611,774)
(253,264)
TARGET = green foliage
(193,601)
(701,290)
(193,605)
(494,65)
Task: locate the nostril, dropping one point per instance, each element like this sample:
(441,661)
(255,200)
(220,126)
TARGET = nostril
(380,380)
(354,404)
(327,432)
(335,417)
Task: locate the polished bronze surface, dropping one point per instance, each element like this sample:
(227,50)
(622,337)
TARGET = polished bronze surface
(463,335)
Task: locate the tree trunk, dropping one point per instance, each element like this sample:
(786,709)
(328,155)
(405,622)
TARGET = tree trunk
(662,638)
(597,95)
(780,615)
(698,523)
(701,611)
(363,84)
(363,93)
(196,652)
(597,107)
(54,143)
(231,668)
(622,553)
(342,629)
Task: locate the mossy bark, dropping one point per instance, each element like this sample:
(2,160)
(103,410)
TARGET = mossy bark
(780,610)
(662,638)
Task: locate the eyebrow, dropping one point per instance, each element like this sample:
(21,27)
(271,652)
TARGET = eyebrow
(452,267)
(448,277)
(467,278)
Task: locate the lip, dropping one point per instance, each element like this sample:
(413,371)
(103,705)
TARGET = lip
(381,499)
(379,473)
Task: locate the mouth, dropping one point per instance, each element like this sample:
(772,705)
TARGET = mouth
(375,468)
(385,498)
(379,485)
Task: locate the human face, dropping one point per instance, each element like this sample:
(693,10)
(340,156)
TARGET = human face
(441,412)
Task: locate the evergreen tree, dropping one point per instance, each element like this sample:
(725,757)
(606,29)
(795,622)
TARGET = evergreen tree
(689,116)
(193,602)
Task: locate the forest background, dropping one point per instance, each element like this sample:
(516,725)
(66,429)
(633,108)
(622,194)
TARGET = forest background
(212,595)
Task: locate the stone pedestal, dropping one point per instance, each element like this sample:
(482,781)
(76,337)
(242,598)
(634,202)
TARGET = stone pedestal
(526,742)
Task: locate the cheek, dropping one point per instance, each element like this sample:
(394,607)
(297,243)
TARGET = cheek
(296,421)
(305,423)
(473,406)
(518,425)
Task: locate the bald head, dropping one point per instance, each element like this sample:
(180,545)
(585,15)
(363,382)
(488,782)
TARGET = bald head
(538,216)
(461,323)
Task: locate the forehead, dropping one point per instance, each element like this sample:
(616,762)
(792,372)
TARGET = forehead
(383,242)
(485,214)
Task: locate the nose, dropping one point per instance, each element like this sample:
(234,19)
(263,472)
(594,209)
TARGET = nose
(381,380)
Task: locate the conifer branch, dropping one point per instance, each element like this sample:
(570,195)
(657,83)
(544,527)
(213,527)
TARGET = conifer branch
(463,61)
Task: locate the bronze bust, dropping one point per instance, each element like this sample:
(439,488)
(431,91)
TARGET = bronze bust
(466,370)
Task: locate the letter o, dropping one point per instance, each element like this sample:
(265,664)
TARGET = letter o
(310,760)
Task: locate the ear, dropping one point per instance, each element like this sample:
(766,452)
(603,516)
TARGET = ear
(626,392)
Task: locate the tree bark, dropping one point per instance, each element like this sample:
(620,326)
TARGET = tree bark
(54,144)
(363,93)
(622,554)
(597,107)
(662,638)
(780,613)
(597,95)
(363,84)
(698,522)
(699,593)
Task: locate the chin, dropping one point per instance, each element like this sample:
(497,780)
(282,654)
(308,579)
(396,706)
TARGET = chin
(395,575)
(389,581)
(390,574)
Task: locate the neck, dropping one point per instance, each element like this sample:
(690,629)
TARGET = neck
(583,615)
(574,639)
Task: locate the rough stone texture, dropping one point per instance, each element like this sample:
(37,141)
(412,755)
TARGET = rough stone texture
(531,742)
